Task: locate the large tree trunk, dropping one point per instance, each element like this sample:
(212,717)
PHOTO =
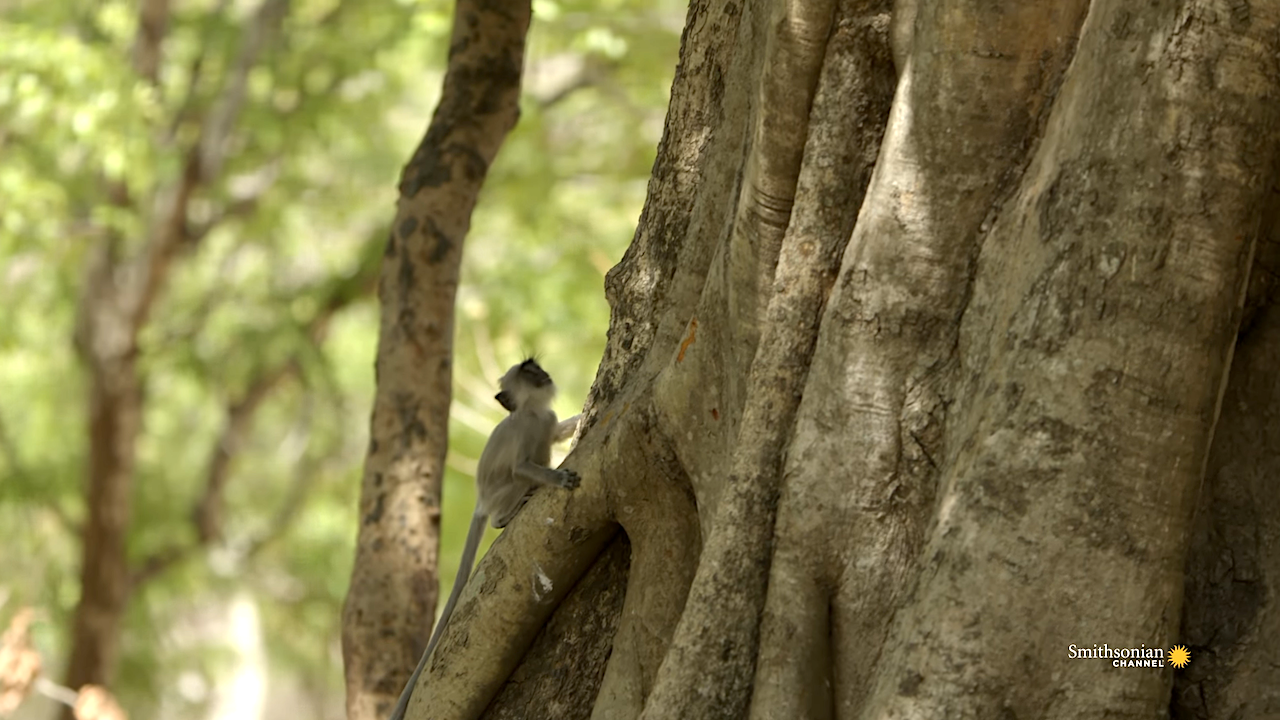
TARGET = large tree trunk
(914,369)
(1230,621)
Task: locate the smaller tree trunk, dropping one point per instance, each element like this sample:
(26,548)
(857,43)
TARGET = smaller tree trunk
(114,306)
(393,587)
(115,419)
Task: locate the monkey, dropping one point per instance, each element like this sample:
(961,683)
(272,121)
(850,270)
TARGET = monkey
(566,428)
(515,461)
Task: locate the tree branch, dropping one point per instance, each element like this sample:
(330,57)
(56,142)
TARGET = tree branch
(222,117)
(305,473)
(153,23)
(207,515)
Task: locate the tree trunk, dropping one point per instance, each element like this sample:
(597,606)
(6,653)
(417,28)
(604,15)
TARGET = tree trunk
(393,584)
(1233,567)
(114,306)
(915,366)
(108,347)
(120,292)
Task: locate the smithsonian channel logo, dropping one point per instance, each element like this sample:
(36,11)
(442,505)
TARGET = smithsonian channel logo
(1133,657)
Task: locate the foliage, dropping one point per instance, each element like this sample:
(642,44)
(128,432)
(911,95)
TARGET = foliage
(332,107)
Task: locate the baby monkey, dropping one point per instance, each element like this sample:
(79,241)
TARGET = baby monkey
(515,461)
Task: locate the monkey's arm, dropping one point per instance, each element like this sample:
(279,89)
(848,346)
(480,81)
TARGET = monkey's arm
(566,428)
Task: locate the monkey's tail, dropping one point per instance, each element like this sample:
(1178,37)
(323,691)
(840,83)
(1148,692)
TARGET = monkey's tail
(474,534)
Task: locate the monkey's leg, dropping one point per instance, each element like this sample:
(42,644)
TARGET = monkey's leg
(501,519)
(534,473)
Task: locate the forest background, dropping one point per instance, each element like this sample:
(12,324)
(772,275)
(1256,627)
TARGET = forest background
(213,181)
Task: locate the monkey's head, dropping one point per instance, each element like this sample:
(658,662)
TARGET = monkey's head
(526,385)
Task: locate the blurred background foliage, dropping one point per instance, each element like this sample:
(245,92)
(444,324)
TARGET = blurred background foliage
(268,298)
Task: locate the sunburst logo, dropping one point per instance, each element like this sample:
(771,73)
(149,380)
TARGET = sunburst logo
(1179,656)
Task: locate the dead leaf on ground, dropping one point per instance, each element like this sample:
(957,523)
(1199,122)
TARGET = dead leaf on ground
(19,662)
(96,703)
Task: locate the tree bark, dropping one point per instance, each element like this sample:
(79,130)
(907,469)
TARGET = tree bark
(1233,568)
(914,369)
(1092,359)
(391,601)
(114,422)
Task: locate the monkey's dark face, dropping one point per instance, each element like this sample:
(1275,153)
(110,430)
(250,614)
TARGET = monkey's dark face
(526,383)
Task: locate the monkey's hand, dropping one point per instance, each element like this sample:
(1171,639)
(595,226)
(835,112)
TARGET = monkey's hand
(569,479)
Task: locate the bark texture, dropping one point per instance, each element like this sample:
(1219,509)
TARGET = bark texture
(1091,361)
(914,369)
(391,601)
(1230,619)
